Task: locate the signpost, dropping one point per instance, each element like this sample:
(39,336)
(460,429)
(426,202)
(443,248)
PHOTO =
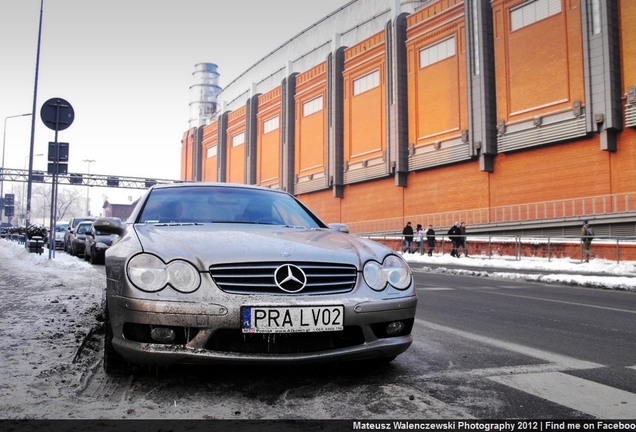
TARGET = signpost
(57,114)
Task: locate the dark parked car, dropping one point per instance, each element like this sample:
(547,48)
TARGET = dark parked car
(78,238)
(71,228)
(219,273)
(96,243)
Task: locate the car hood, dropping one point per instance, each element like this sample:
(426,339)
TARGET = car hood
(207,244)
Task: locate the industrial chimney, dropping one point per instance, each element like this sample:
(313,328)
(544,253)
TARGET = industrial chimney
(203,92)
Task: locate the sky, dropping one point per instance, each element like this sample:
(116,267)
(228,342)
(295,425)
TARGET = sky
(126,68)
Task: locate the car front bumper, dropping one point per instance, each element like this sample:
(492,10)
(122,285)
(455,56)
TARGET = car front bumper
(211,332)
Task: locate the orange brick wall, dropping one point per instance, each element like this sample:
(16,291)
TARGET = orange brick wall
(210,137)
(377,199)
(324,205)
(539,68)
(551,173)
(627,28)
(310,131)
(365,128)
(187,149)
(236,155)
(437,92)
(268,144)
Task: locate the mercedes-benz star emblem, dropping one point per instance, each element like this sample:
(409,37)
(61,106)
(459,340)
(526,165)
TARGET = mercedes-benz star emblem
(290,278)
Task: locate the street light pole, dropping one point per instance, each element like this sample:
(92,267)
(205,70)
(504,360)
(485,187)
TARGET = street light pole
(88,188)
(4,139)
(35,100)
(23,193)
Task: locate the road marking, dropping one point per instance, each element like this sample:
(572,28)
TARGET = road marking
(579,394)
(563,362)
(565,302)
(436,289)
(631,367)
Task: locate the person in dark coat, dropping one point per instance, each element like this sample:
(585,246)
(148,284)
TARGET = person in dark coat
(454,233)
(430,239)
(407,233)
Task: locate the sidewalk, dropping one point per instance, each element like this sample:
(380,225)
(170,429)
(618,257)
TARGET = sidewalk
(598,273)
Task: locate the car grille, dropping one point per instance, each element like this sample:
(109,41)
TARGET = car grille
(258,278)
(285,343)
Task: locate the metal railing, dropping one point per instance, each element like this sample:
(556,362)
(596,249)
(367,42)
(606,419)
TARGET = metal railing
(539,211)
(613,248)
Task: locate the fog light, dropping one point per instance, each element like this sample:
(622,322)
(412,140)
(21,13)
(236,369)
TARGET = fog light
(394,328)
(163,334)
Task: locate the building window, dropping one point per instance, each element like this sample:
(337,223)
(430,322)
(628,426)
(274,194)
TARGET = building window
(238,139)
(366,83)
(438,52)
(596,17)
(532,12)
(270,124)
(211,151)
(312,106)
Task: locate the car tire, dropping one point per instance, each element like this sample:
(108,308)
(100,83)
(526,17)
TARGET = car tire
(114,364)
(93,260)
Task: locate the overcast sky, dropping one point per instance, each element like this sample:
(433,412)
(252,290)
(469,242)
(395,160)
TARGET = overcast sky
(126,67)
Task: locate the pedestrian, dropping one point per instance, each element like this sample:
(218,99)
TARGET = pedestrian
(407,233)
(587,235)
(454,233)
(430,238)
(462,239)
(418,237)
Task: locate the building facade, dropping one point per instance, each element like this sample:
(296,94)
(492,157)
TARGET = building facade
(507,114)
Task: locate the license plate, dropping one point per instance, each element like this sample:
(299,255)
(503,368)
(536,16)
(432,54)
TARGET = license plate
(295,319)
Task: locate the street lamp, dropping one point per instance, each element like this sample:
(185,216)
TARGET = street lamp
(26,158)
(4,139)
(88,188)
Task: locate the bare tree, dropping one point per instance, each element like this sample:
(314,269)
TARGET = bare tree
(69,202)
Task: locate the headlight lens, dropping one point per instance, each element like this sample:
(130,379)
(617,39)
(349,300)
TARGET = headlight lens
(149,273)
(393,271)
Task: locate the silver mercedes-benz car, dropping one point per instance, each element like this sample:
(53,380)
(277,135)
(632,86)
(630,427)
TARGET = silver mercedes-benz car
(221,273)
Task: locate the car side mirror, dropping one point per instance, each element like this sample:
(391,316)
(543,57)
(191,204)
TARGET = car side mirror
(109,226)
(339,227)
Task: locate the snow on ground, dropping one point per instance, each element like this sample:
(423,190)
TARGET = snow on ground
(598,273)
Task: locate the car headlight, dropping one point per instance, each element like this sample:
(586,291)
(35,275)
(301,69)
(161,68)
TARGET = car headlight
(149,273)
(393,271)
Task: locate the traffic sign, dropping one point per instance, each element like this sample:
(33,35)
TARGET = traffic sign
(57,114)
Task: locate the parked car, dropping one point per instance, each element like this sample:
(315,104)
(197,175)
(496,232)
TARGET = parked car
(78,238)
(96,243)
(71,228)
(220,273)
(60,231)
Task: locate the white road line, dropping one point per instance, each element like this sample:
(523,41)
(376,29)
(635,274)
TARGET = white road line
(435,289)
(565,302)
(563,362)
(631,367)
(579,394)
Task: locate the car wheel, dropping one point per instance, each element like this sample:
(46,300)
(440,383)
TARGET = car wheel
(114,364)
(93,259)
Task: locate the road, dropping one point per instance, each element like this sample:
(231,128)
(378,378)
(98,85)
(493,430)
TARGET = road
(520,349)
(484,349)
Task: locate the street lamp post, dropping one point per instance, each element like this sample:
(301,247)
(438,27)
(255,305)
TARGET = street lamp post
(26,158)
(88,188)
(4,139)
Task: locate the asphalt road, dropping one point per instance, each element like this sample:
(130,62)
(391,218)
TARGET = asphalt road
(508,349)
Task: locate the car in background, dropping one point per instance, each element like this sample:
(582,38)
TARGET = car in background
(96,243)
(236,274)
(78,238)
(60,231)
(71,228)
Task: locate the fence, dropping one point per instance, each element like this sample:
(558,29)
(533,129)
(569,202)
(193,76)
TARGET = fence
(611,248)
(540,211)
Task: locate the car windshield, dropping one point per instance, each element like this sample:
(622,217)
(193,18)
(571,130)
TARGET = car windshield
(83,228)
(61,228)
(218,204)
